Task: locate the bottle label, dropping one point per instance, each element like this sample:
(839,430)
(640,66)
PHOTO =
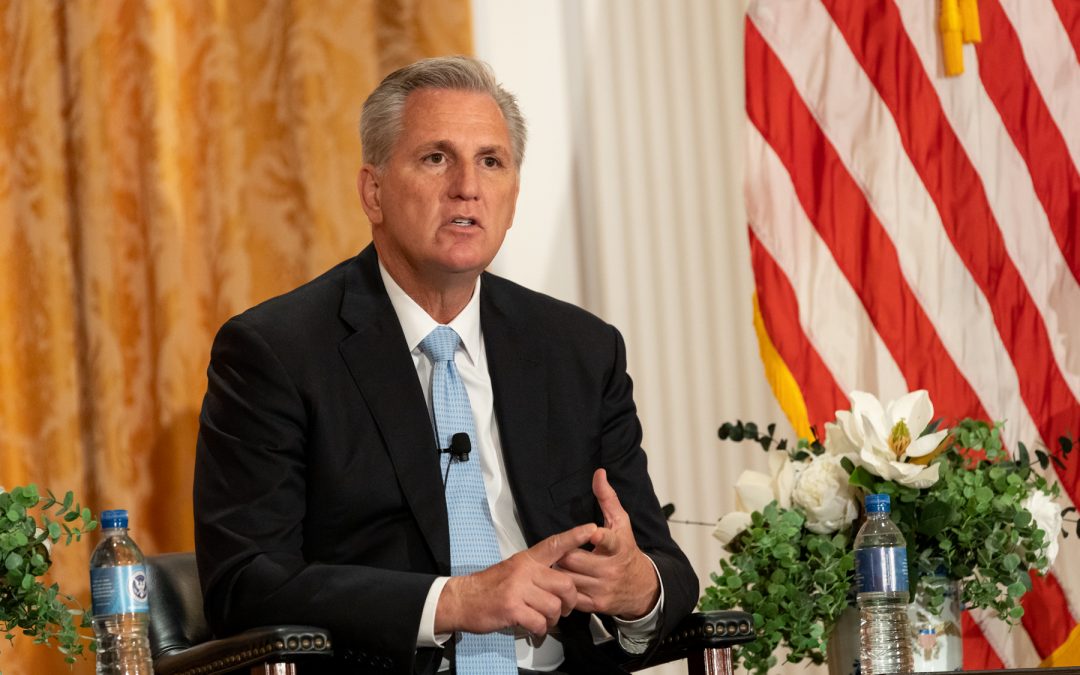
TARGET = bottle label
(118,590)
(881,570)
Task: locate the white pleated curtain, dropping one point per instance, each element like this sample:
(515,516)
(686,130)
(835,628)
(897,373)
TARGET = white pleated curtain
(659,148)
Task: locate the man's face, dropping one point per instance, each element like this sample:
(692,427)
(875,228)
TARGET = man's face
(441,207)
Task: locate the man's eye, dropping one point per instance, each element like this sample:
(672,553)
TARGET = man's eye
(491,162)
(435,158)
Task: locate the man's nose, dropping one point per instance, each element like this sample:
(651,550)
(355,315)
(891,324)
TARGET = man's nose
(464,181)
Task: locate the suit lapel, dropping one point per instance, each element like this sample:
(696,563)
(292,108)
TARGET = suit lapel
(379,361)
(519,385)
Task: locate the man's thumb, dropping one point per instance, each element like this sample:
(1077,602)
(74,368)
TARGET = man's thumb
(609,502)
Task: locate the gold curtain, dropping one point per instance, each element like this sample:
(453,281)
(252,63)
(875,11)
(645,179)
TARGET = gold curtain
(163,166)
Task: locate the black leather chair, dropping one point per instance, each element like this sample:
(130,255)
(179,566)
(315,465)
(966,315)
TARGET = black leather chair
(181,642)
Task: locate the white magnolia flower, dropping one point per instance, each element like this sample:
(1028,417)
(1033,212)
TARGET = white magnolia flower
(753,492)
(824,495)
(1047,515)
(885,439)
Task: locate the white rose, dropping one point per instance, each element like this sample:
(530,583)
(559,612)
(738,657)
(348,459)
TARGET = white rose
(731,525)
(1047,515)
(753,492)
(824,495)
(785,472)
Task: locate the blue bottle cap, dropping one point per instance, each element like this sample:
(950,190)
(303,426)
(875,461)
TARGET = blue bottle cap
(114,518)
(877,503)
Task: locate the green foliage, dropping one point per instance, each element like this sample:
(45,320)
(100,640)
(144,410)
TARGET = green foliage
(970,524)
(29,526)
(794,582)
(749,432)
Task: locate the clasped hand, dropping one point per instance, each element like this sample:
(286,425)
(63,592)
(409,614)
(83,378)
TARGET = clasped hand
(536,587)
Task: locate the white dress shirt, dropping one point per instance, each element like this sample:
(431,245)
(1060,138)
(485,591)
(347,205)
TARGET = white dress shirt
(471,363)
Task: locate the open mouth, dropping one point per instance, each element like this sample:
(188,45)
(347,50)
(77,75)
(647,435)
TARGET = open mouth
(463,222)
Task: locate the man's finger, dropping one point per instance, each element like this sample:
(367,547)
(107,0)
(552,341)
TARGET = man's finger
(585,583)
(586,604)
(610,506)
(549,551)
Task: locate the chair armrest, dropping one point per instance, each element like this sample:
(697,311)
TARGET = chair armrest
(698,632)
(267,644)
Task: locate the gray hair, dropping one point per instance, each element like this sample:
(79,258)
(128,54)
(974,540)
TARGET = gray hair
(381,117)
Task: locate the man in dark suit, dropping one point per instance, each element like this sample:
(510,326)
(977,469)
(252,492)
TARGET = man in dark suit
(319,494)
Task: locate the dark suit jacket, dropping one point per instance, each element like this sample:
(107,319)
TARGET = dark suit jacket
(318,497)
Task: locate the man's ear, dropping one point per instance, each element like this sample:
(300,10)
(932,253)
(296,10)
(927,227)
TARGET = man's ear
(367,184)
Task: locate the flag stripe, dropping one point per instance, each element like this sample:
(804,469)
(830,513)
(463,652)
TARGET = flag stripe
(879,42)
(1046,598)
(1032,128)
(978,654)
(1022,220)
(791,343)
(1012,645)
(1024,229)
(1055,68)
(1065,569)
(1069,11)
(869,261)
(1023,223)
(821,290)
(871,148)
(1026,234)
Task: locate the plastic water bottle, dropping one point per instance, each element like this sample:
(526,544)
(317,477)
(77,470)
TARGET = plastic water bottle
(881,583)
(119,600)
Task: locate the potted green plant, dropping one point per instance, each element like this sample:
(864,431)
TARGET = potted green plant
(29,527)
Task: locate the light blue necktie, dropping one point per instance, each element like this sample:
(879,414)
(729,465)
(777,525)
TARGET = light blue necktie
(473,546)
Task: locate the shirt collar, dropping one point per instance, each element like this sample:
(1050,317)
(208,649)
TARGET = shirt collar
(417,323)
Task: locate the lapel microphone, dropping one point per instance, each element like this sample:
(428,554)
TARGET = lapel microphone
(460,446)
(459,449)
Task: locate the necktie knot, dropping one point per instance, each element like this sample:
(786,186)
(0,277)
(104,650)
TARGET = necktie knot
(440,344)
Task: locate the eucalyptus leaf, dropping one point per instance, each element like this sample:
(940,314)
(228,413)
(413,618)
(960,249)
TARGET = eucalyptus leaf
(860,477)
(933,518)
(29,605)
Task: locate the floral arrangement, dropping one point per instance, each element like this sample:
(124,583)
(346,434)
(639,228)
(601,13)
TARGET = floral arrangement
(968,511)
(30,525)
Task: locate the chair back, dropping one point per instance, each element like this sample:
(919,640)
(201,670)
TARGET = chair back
(177,621)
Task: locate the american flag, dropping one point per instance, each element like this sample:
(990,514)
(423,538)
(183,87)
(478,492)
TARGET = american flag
(911,230)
